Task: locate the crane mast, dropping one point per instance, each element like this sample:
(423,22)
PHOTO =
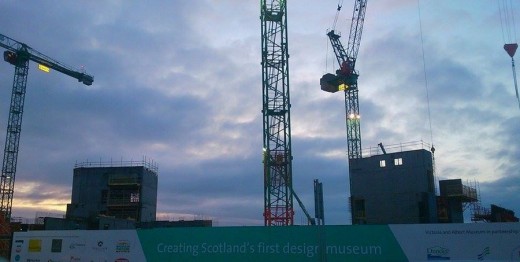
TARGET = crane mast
(19,55)
(277,156)
(346,77)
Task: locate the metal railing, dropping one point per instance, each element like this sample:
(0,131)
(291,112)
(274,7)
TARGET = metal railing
(147,163)
(393,148)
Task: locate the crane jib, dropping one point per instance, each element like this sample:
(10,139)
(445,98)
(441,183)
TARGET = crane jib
(18,53)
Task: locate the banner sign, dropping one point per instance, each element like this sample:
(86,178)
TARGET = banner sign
(463,242)
(296,243)
(469,242)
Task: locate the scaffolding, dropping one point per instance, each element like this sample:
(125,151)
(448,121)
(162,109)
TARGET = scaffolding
(480,213)
(455,197)
(123,196)
(464,192)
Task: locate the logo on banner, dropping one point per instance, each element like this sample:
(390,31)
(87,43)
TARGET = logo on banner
(35,245)
(484,254)
(100,246)
(19,244)
(122,246)
(76,245)
(56,245)
(438,253)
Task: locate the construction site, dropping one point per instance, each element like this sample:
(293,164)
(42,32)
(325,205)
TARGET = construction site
(398,208)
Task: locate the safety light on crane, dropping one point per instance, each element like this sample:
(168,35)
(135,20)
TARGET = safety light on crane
(354,116)
(44,68)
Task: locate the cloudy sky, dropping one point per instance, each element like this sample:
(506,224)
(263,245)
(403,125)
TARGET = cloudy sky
(179,82)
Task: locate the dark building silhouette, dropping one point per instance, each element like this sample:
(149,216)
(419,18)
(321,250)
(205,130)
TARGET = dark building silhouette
(121,190)
(393,188)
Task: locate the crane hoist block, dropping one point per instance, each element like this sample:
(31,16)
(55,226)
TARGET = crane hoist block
(511,49)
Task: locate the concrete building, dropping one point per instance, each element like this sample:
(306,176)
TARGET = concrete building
(393,188)
(453,197)
(119,190)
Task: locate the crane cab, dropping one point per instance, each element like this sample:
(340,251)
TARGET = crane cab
(10,57)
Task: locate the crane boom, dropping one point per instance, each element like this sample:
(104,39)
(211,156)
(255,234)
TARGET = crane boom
(20,50)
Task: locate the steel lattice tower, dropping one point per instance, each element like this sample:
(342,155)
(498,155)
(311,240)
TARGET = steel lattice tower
(352,122)
(277,158)
(14,127)
(351,94)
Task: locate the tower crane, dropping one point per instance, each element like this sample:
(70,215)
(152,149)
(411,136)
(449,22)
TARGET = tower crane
(346,76)
(277,153)
(19,55)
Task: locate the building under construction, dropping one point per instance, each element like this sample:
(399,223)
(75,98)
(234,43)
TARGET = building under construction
(454,197)
(121,190)
(393,188)
(396,185)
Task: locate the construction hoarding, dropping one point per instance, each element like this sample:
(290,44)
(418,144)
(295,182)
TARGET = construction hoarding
(498,241)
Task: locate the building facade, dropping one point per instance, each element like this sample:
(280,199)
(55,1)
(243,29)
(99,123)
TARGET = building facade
(393,188)
(123,191)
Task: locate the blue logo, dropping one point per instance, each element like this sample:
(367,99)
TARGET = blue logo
(438,253)
(484,253)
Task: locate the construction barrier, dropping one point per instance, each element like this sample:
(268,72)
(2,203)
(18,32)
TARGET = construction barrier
(462,242)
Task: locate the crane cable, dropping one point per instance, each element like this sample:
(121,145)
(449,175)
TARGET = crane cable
(507,23)
(425,75)
(340,4)
(507,20)
(434,172)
